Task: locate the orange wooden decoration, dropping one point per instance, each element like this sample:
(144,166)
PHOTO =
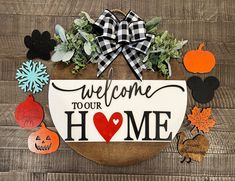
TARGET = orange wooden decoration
(201,119)
(199,61)
(43,141)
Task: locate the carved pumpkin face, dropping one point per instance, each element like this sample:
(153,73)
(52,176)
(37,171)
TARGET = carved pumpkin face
(43,141)
(199,61)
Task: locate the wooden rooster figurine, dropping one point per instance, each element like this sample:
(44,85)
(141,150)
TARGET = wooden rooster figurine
(192,149)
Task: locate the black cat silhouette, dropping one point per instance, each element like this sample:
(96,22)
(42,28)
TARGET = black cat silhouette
(203,91)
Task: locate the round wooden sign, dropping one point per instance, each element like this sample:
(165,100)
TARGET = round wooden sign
(115,153)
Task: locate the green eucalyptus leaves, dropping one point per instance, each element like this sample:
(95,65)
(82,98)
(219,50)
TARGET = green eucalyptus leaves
(77,45)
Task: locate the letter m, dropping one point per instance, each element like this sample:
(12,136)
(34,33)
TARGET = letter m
(137,131)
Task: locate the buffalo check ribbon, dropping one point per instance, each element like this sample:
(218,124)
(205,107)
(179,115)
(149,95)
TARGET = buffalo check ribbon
(127,36)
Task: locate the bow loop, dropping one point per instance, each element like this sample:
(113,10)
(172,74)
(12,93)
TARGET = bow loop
(131,17)
(123,33)
(138,31)
(109,28)
(101,20)
(142,46)
(128,36)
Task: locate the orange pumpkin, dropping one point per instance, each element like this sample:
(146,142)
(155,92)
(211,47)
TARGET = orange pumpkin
(199,61)
(43,141)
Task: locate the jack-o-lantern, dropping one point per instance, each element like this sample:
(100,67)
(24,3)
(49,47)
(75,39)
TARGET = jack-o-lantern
(199,61)
(43,141)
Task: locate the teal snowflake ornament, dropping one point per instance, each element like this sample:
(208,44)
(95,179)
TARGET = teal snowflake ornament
(32,76)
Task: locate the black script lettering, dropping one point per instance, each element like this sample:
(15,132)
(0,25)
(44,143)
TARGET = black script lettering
(134,90)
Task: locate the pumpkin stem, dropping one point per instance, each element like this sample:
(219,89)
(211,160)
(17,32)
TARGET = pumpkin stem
(201,45)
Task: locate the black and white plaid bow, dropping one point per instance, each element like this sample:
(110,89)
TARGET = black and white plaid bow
(128,36)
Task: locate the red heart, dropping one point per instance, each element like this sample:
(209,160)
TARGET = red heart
(107,128)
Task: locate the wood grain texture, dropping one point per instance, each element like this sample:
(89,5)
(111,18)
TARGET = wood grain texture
(69,161)
(119,177)
(210,10)
(13,55)
(212,21)
(196,30)
(22,176)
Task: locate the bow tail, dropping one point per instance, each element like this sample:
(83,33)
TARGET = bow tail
(105,60)
(132,52)
(134,60)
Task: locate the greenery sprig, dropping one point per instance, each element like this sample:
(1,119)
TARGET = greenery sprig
(78,46)
(164,48)
(80,41)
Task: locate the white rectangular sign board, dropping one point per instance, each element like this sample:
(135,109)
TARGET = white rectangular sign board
(117,110)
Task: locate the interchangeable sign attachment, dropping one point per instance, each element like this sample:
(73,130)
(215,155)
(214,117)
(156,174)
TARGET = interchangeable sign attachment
(29,114)
(107,128)
(39,44)
(32,76)
(192,149)
(201,119)
(203,91)
(199,61)
(43,141)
